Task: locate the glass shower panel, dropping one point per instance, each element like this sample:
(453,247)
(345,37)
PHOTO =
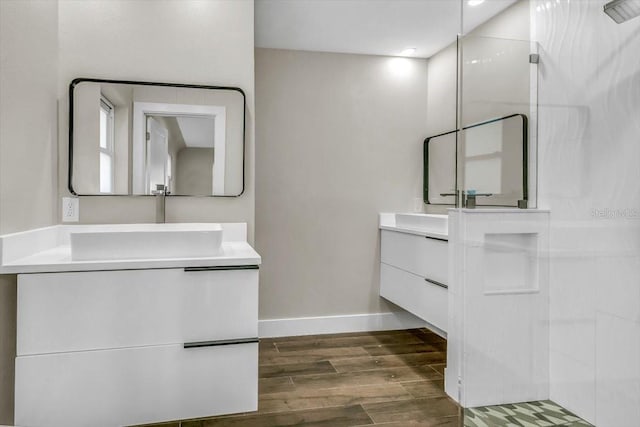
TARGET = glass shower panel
(498,118)
(498,292)
(496,78)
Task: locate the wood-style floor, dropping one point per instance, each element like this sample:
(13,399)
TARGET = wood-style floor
(388,378)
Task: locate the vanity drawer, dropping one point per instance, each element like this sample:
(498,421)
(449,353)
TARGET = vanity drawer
(413,293)
(419,255)
(135,385)
(60,312)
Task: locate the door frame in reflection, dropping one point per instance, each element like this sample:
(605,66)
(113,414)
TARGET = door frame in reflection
(139,155)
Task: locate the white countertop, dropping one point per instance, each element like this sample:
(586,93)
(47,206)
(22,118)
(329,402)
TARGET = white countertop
(45,251)
(388,222)
(489,210)
(58,259)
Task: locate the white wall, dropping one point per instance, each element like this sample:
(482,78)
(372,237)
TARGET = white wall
(340,140)
(441,102)
(589,96)
(28,172)
(170,41)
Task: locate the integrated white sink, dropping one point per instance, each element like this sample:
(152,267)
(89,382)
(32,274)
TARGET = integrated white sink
(146,241)
(424,222)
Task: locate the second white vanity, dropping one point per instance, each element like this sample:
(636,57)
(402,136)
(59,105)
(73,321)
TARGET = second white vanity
(414,265)
(480,276)
(132,340)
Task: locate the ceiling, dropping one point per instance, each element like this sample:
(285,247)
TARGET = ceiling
(372,27)
(197,131)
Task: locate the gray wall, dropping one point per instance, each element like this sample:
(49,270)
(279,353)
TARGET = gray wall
(196,42)
(28,189)
(340,140)
(194,170)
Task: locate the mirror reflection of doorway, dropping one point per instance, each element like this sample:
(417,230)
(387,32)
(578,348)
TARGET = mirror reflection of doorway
(195,142)
(180,153)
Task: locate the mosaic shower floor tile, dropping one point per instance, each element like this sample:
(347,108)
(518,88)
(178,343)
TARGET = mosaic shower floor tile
(528,414)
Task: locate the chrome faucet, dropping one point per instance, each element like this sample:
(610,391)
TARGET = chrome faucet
(160,192)
(470,199)
(455,193)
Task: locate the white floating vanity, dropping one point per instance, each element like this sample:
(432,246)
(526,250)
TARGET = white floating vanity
(414,265)
(114,337)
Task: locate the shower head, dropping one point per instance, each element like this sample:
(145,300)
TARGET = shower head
(622,10)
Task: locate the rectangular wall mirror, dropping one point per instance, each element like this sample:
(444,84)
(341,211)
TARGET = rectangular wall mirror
(491,163)
(440,169)
(128,138)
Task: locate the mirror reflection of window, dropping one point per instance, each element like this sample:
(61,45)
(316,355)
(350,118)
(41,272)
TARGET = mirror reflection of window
(106,146)
(484,158)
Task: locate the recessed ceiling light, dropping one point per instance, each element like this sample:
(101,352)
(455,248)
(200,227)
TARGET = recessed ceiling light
(475,2)
(408,51)
(400,68)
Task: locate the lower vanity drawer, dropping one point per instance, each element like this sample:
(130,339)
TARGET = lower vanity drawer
(413,293)
(426,257)
(135,385)
(78,311)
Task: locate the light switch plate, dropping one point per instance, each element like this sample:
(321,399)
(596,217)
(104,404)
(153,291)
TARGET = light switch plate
(70,209)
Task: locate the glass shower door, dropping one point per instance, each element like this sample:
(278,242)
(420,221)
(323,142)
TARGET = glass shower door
(499,301)
(498,121)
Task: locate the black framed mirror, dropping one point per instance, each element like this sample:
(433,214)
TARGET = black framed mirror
(130,137)
(440,169)
(493,163)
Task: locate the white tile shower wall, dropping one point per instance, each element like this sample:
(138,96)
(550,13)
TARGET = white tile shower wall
(571,381)
(589,95)
(617,371)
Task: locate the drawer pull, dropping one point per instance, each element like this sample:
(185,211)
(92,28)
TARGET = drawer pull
(437,238)
(197,344)
(435,282)
(223,268)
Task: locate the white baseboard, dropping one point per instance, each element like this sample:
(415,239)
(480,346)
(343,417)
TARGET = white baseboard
(270,328)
